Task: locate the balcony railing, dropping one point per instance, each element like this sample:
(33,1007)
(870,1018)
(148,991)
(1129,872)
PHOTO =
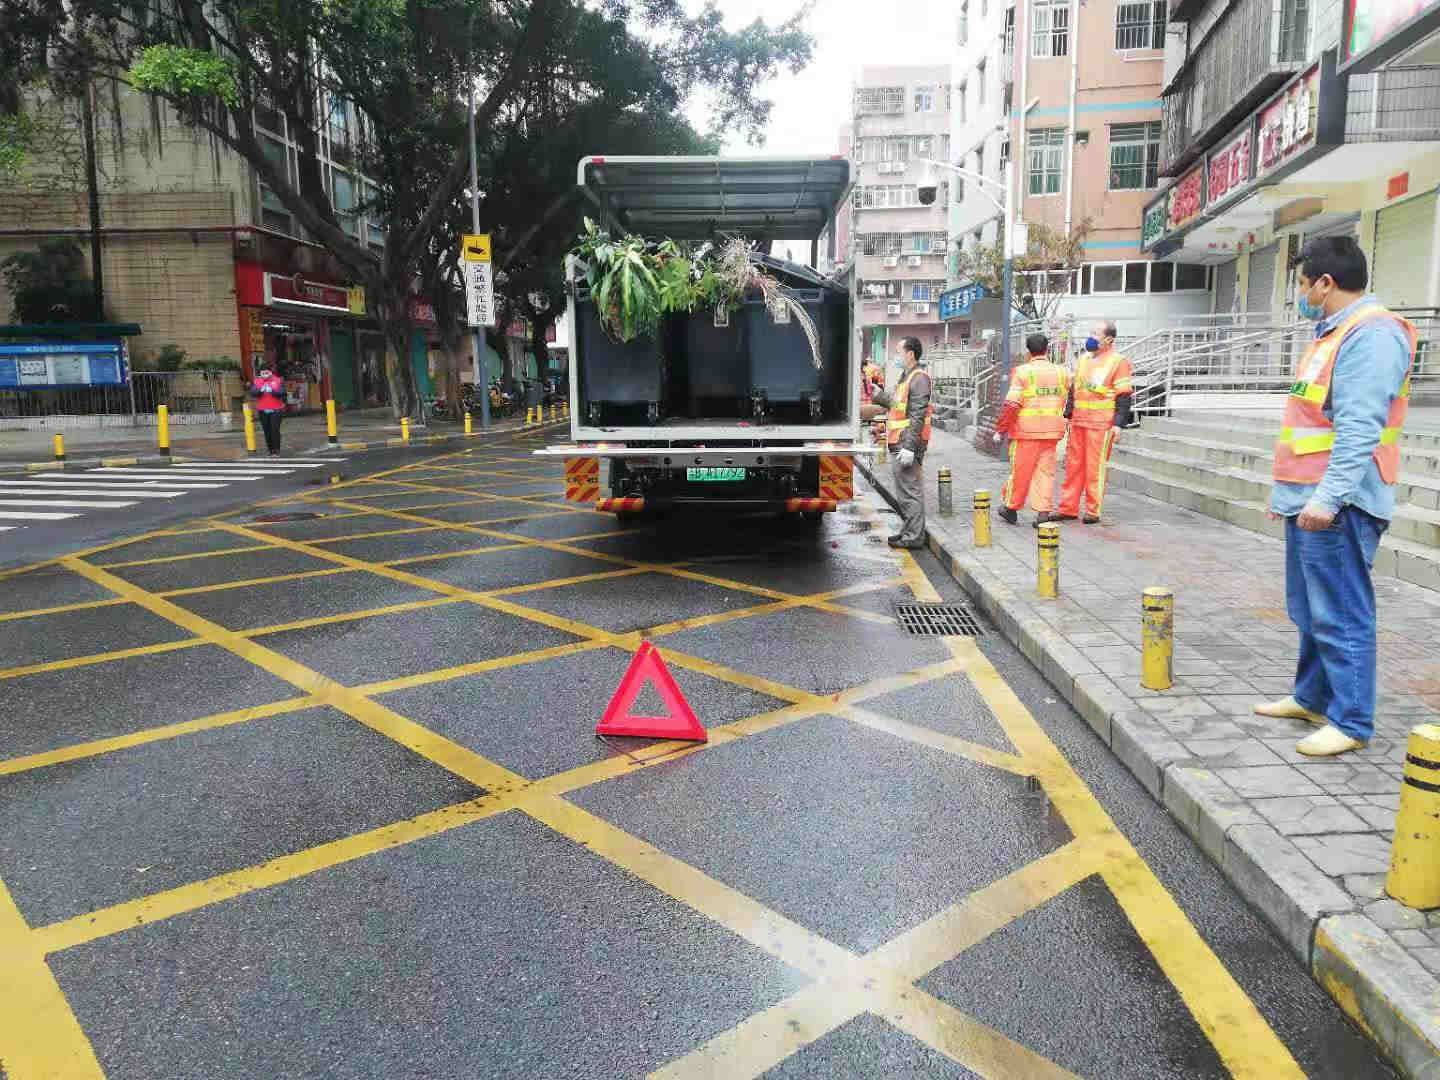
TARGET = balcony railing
(1230,73)
(1394,106)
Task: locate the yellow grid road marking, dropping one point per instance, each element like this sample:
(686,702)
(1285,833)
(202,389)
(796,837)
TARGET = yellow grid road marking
(184,558)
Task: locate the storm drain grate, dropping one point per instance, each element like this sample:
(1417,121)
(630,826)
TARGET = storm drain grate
(937,620)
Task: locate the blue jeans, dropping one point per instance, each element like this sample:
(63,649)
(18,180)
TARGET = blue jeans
(1330,598)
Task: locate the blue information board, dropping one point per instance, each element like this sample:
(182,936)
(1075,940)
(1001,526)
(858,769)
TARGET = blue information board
(956,303)
(68,363)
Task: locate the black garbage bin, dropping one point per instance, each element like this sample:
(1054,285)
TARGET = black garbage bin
(621,382)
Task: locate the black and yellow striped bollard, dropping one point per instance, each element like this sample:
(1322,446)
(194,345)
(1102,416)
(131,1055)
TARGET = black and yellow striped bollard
(944,494)
(1414,877)
(1047,561)
(162,430)
(332,432)
(59,447)
(981,521)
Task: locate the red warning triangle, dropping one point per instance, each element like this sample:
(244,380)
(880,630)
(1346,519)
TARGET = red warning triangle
(648,667)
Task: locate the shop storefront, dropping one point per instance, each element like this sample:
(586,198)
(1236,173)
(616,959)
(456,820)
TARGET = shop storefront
(286,322)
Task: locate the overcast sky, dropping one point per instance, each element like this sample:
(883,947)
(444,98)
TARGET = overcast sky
(811,107)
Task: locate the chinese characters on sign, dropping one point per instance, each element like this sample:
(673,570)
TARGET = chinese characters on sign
(1287,124)
(1375,27)
(1229,168)
(1187,198)
(1152,225)
(479,284)
(63,364)
(956,303)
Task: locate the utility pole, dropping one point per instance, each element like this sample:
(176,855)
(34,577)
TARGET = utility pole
(482,369)
(92,181)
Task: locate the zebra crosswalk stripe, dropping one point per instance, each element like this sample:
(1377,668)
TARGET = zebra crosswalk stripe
(15,515)
(123,493)
(83,504)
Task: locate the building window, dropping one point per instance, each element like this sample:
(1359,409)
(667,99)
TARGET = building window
(1051,32)
(1108,277)
(1134,156)
(880,100)
(1140,26)
(1191,278)
(961,94)
(885,196)
(881,243)
(924,99)
(924,291)
(964,33)
(1135,276)
(1294,31)
(1162,277)
(923,145)
(1008,41)
(980,85)
(1047,160)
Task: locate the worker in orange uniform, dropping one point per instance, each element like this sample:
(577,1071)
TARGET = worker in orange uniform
(1034,418)
(1099,405)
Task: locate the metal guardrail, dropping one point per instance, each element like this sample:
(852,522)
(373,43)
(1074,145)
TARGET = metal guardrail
(193,397)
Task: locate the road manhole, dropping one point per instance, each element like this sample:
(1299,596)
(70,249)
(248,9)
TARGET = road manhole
(937,620)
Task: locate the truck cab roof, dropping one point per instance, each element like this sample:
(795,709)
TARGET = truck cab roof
(695,198)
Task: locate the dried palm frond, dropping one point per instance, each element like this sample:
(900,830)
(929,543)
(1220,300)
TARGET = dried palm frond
(738,276)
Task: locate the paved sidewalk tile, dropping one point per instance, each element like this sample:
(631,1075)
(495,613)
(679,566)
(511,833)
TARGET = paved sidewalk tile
(1307,839)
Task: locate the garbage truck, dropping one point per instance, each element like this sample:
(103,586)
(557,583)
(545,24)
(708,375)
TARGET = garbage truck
(751,409)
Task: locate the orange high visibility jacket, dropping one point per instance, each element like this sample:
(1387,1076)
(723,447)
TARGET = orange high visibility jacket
(871,379)
(1099,379)
(1035,404)
(1302,452)
(899,418)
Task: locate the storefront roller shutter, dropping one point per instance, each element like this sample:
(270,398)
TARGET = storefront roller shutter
(1260,287)
(1225,288)
(1400,272)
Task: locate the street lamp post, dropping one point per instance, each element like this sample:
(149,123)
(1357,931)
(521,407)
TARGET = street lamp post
(1014,241)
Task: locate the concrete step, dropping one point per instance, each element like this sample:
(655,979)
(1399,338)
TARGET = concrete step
(1260,432)
(1245,482)
(1419,469)
(1397,557)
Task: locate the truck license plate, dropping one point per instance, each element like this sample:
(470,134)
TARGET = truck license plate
(715,473)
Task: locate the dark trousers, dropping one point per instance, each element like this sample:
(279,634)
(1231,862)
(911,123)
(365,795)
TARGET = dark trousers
(270,421)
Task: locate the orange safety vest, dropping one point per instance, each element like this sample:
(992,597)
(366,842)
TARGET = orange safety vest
(870,379)
(899,418)
(1099,379)
(1039,388)
(1302,452)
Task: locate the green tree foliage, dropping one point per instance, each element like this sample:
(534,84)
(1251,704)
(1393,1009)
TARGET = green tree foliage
(50,285)
(405,70)
(1038,295)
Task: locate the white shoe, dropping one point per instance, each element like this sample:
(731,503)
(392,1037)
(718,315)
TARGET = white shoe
(1327,742)
(1289,709)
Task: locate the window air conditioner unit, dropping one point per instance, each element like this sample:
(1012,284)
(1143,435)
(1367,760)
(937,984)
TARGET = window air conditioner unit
(892,309)
(913,260)
(922,309)
(892,261)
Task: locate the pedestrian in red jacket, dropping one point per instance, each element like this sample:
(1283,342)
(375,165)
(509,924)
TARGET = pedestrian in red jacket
(268,390)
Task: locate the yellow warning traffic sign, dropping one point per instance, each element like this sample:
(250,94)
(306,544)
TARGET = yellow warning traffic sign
(475,247)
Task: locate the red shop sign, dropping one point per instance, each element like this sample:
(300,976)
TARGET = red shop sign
(1187,197)
(1230,168)
(1287,124)
(294,290)
(422,311)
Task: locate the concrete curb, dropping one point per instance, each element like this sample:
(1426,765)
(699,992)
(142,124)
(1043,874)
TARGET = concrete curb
(1386,992)
(71,464)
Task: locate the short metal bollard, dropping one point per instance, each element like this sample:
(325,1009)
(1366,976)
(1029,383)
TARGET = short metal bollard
(59,447)
(1414,877)
(467,424)
(249,415)
(405,429)
(946,498)
(1047,562)
(332,433)
(981,524)
(1157,638)
(162,430)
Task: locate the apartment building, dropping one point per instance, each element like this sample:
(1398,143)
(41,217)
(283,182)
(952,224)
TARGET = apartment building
(1072,90)
(202,255)
(900,115)
(1285,120)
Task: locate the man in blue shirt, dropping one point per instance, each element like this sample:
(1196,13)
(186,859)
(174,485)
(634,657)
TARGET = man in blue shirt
(1336,463)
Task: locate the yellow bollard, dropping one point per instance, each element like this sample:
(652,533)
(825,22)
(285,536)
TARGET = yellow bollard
(59,447)
(552,414)
(1047,562)
(565,408)
(467,423)
(405,429)
(982,518)
(162,429)
(249,415)
(1157,638)
(331,433)
(1414,877)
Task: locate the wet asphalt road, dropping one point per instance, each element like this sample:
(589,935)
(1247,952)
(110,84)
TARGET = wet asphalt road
(332,805)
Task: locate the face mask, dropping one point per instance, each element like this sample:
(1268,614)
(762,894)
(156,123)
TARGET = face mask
(1308,310)
(1092,344)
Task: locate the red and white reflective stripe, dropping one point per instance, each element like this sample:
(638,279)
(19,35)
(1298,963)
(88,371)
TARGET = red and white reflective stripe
(620,506)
